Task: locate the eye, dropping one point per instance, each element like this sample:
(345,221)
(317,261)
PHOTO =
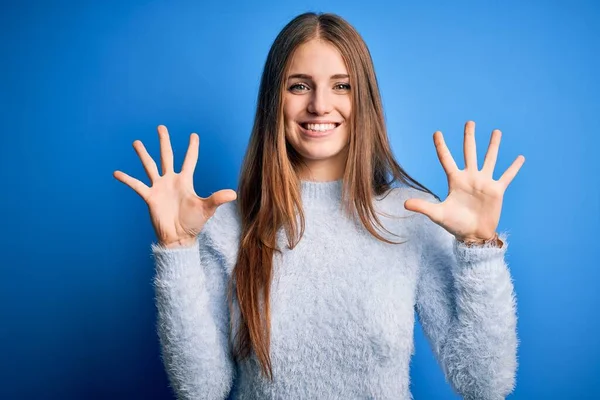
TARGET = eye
(296,87)
(342,86)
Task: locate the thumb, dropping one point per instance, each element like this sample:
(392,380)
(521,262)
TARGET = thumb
(423,207)
(221,197)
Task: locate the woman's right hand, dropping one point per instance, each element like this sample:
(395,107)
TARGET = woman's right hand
(178,214)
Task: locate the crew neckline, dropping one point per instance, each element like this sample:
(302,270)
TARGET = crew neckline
(316,190)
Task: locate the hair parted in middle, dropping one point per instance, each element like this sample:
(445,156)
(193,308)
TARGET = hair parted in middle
(269,195)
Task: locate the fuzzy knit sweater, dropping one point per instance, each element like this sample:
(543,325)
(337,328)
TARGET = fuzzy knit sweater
(343,308)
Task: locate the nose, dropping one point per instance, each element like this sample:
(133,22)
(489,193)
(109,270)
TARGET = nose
(320,102)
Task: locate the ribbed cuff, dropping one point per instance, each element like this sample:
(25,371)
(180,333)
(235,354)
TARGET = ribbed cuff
(176,260)
(466,254)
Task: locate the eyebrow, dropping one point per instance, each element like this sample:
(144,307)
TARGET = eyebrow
(305,76)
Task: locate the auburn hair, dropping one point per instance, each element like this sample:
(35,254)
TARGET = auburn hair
(269,195)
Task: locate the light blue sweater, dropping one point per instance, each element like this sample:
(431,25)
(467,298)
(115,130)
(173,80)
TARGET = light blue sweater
(343,308)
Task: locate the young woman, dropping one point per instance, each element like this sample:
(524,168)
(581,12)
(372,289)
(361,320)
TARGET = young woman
(303,285)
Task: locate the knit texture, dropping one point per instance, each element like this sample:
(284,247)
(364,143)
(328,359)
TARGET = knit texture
(343,307)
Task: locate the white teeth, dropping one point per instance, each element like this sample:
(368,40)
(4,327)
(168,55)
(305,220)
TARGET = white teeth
(320,127)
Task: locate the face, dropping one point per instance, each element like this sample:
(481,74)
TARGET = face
(317,106)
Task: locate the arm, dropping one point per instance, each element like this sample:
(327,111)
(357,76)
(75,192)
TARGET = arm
(193,320)
(466,305)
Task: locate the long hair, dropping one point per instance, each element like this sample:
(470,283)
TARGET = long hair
(269,195)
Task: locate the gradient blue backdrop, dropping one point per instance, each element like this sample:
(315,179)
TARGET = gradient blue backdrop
(80,81)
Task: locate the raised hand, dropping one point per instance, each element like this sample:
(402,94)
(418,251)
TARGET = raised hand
(178,214)
(471,212)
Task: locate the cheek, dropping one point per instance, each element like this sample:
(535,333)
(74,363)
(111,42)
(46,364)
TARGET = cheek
(292,107)
(347,108)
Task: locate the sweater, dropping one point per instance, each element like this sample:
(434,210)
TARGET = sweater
(343,307)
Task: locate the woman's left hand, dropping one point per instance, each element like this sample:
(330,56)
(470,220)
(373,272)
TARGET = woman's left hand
(472,209)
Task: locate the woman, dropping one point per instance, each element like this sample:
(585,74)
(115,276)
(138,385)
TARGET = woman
(300,288)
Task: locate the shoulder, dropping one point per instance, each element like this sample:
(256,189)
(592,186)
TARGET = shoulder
(405,192)
(417,225)
(221,233)
(393,200)
(433,239)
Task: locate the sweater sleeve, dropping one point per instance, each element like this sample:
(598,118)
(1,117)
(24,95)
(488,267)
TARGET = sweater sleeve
(466,304)
(193,320)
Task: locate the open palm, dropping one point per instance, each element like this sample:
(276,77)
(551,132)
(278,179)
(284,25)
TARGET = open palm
(474,203)
(178,214)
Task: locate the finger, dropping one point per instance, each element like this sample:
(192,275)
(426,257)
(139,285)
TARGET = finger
(443,153)
(191,157)
(431,210)
(221,197)
(470,147)
(138,186)
(489,163)
(512,171)
(166,152)
(147,161)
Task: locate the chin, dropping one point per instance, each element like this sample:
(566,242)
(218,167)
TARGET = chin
(321,153)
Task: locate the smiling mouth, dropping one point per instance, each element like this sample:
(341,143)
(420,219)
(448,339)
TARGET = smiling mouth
(319,128)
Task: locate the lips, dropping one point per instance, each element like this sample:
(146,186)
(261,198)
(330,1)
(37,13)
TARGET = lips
(319,123)
(304,128)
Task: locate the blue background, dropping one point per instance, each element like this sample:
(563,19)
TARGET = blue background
(80,81)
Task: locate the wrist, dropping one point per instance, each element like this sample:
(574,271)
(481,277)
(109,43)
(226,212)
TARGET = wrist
(474,242)
(183,242)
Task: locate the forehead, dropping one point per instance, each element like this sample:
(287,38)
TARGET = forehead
(317,58)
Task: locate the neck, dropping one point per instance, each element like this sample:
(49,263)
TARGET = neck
(328,170)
